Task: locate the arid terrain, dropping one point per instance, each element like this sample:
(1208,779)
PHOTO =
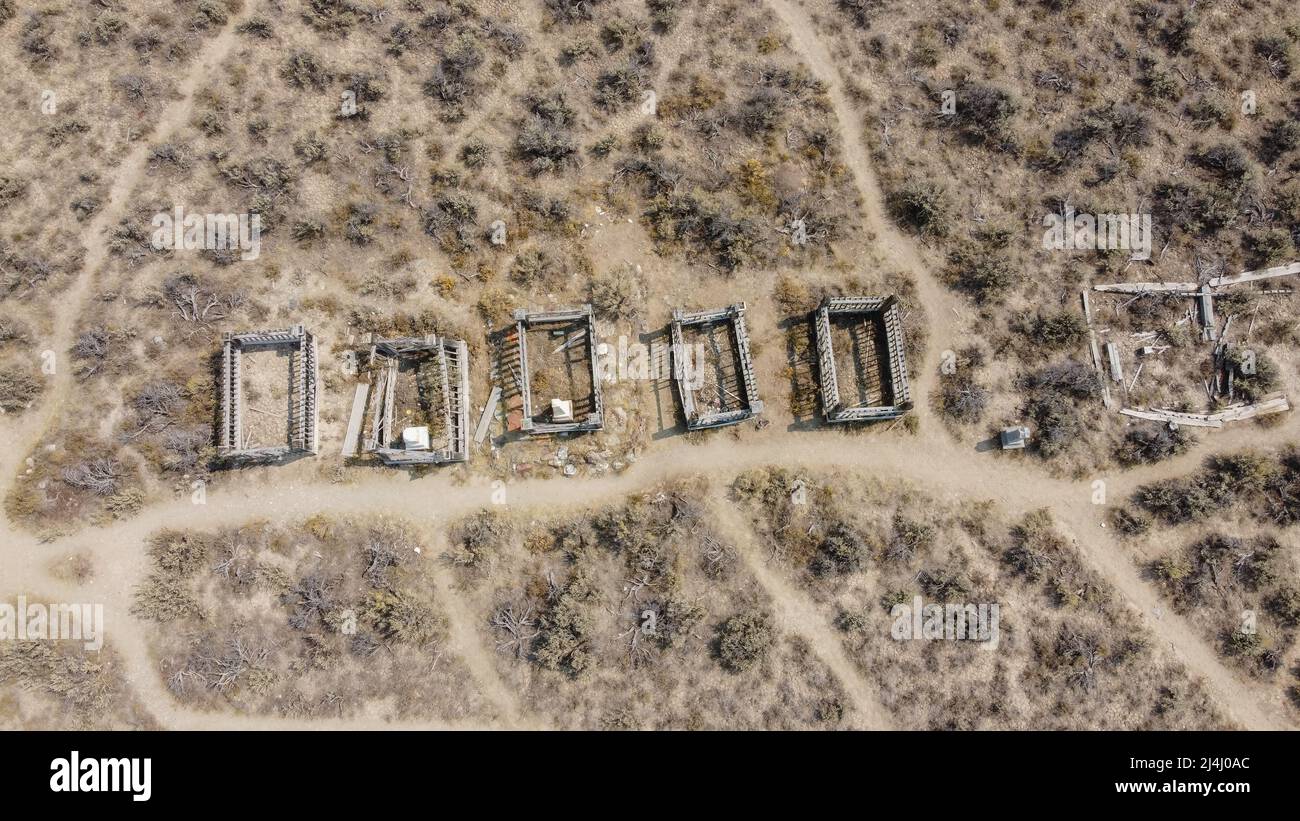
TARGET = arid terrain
(421,170)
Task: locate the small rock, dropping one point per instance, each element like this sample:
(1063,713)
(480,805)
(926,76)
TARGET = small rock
(570,470)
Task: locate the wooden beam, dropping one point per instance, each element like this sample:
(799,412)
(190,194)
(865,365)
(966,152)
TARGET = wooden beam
(1179,418)
(1287,270)
(352,441)
(1272,403)
(1116,367)
(489,410)
(1147,287)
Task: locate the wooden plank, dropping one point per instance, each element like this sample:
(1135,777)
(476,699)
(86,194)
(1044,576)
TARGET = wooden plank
(462,416)
(1272,403)
(1211,419)
(445,377)
(489,410)
(1290,269)
(376,410)
(1264,408)
(352,441)
(1146,287)
(577,337)
(1116,367)
(1181,419)
(1206,300)
(1101,377)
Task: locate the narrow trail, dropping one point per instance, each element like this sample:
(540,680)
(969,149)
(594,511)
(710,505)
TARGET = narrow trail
(899,251)
(796,612)
(28,430)
(467,646)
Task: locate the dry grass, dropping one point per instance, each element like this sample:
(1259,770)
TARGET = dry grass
(62,686)
(642,616)
(861,545)
(332,619)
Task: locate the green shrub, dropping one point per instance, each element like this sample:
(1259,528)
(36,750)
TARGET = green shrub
(1285,605)
(614,293)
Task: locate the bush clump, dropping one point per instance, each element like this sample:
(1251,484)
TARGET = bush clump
(923,207)
(1054,391)
(962,399)
(19,388)
(842,550)
(744,640)
(1153,443)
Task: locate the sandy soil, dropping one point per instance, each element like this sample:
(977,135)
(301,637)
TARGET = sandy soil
(931,458)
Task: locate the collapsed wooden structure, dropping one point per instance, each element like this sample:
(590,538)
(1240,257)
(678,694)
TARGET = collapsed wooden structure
(1220,385)
(735,379)
(590,415)
(303,435)
(373,420)
(882,353)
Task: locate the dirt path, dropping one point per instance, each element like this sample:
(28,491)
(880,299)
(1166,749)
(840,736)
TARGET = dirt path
(934,461)
(796,612)
(467,646)
(24,435)
(949,472)
(897,251)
